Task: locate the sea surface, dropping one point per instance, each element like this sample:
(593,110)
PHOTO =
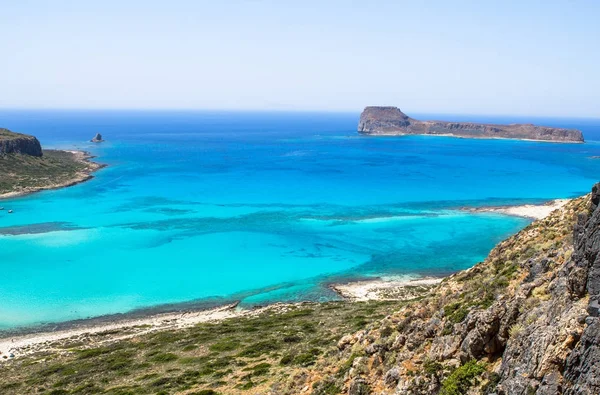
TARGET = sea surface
(203,208)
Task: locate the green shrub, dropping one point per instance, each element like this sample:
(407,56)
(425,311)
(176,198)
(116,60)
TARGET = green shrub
(433,368)
(462,378)
(456,312)
(164,357)
(225,345)
(487,300)
(286,359)
(93,352)
(260,348)
(307,358)
(205,392)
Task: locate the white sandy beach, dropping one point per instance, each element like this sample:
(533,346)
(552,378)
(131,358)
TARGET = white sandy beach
(96,334)
(534,211)
(382,289)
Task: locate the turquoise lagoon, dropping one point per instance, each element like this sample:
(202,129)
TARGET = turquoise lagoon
(202,208)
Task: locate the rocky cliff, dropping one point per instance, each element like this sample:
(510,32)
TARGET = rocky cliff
(392,121)
(16,143)
(524,321)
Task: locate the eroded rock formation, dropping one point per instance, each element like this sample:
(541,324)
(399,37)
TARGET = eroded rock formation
(16,143)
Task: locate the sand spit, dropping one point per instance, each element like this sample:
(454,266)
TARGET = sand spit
(533,211)
(382,289)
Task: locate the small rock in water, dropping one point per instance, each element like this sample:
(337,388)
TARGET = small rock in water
(97,138)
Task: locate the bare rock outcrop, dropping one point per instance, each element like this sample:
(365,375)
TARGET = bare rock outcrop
(16,143)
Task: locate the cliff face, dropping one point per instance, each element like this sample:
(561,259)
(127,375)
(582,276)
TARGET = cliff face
(16,143)
(392,121)
(524,321)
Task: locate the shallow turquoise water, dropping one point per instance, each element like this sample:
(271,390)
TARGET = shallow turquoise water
(259,207)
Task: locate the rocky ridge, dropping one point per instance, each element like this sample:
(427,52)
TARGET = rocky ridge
(16,143)
(392,121)
(524,321)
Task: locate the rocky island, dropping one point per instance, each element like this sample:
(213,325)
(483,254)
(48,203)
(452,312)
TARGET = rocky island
(97,138)
(390,121)
(25,167)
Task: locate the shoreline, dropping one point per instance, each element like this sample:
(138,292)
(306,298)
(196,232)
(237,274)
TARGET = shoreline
(25,341)
(395,134)
(83,157)
(16,346)
(382,289)
(531,211)
(106,329)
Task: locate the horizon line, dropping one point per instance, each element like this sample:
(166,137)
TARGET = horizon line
(280,110)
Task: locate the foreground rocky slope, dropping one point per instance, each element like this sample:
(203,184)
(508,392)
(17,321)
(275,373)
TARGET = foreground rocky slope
(524,321)
(392,121)
(16,143)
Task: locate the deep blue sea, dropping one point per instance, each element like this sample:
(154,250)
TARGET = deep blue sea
(209,207)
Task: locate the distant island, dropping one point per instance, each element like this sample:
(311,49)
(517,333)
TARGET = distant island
(390,121)
(26,168)
(97,138)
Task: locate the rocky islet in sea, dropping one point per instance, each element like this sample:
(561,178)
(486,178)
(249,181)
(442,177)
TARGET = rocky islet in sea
(391,121)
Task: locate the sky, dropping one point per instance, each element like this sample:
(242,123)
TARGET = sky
(508,57)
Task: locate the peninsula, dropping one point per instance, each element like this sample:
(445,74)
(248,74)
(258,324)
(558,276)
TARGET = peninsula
(26,168)
(390,121)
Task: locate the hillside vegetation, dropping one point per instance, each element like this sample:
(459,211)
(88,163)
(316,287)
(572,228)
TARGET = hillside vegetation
(238,355)
(21,174)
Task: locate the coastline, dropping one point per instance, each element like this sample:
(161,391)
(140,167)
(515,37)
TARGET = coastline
(102,330)
(83,157)
(396,134)
(382,289)
(106,332)
(97,331)
(531,211)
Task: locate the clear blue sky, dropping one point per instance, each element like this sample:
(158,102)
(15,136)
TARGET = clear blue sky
(473,57)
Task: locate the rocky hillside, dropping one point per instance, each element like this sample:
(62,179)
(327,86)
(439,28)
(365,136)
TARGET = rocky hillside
(524,321)
(392,121)
(16,143)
